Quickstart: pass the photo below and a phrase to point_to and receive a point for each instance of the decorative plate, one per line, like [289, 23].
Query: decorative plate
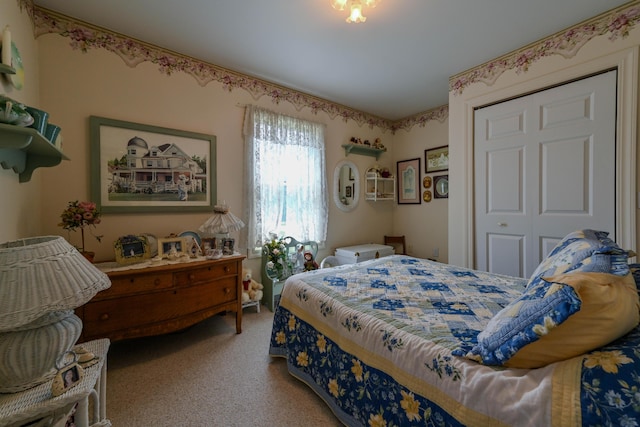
[193, 234]
[17, 79]
[441, 186]
[426, 181]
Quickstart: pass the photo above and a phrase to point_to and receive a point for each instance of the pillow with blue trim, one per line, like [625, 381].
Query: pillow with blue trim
[557, 318]
[583, 250]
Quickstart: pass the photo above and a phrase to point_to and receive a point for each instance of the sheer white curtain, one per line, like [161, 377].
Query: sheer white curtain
[285, 182]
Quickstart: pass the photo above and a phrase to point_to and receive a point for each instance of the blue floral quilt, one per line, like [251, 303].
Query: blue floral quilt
[375, 341]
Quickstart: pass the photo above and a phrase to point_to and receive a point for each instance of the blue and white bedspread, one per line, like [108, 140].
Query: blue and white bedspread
[375, 341]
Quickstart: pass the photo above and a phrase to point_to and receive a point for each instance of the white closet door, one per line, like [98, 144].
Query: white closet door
[544, 166]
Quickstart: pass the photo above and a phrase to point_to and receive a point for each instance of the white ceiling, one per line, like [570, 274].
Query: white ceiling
[395, 65]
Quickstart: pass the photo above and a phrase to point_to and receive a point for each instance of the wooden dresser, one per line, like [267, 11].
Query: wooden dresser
[159, 299]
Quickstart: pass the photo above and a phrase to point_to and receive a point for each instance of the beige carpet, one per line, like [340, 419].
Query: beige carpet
[208, 375]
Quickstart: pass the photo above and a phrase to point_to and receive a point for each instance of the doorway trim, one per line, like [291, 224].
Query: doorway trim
[461, 147]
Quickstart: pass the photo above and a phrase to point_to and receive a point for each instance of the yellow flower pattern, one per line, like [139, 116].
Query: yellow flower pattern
[410, 405]
[333, 387]
[321, 343]
[356, 369]
[609, 361]
[377, 420]
[302, 359]
[292, 323]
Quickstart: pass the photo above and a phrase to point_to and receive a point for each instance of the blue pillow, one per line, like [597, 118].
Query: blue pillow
[587, 251]
[543, 306]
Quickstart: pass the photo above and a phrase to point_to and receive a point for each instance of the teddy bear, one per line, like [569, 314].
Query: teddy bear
[251, 290]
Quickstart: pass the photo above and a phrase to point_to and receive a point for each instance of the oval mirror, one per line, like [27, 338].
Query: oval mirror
[346, 185]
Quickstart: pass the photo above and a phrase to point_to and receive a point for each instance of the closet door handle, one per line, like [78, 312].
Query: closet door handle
[502, 224]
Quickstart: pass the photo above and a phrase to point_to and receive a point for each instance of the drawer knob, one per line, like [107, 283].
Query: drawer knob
[192, 276]
[226, 269]
[157, 281]
[104, 316]
[227, 290]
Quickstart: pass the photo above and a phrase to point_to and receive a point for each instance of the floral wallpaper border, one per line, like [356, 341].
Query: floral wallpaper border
[617, 23]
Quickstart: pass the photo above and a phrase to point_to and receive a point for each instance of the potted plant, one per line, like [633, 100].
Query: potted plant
[81, 215]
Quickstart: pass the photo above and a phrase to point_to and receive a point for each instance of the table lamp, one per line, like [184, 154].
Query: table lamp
[221, 223]
[42, 279]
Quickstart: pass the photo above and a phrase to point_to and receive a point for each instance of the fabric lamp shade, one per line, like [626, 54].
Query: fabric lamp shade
[221, 222]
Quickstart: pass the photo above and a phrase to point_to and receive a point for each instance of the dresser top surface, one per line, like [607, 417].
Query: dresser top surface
[146, 266]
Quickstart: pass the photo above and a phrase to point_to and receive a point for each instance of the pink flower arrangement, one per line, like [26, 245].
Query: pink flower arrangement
[80, 215]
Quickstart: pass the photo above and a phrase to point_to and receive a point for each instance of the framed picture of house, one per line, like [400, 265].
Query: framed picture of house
[436, 159]
[143, 168]
[409, 181]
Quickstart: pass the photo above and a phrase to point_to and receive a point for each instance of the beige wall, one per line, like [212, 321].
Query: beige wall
[424, 225]
[599, 54]
[72, 85]
[99, 83]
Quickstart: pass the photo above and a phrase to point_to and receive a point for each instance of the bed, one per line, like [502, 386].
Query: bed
[401, 341]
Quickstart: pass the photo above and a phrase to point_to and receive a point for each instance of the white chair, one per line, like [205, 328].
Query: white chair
[330, 261]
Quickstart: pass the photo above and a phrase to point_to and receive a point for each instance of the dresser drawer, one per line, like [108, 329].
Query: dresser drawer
[102, 317]
[135, 283]
[204, 274]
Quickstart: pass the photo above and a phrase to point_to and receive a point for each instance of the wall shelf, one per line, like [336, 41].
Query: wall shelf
[362, 149]
[25, 149]
[378, 188]
[6, 69]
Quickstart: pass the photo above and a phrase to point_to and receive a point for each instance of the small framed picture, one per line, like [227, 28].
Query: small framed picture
[66, 378]
[227, 246]
[208, 243]
[172, 246]
[131, 249]
[409, 181]
[436, 159]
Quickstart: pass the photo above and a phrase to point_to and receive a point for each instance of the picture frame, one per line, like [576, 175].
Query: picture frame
[66, 378]
[131, 249]
[408, 175]
[167, 245]
[208, 243]
[228, 246]
[436, 159]
[138, 168]
[441, 187]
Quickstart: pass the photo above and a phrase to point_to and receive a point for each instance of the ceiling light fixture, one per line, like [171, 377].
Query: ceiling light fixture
[356, 8]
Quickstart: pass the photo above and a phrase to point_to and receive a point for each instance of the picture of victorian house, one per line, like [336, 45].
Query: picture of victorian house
[160, 169]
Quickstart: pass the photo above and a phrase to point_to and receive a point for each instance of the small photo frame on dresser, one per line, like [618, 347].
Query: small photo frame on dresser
[208, 244]
[131, 249]
[172, 246]
[227, 246]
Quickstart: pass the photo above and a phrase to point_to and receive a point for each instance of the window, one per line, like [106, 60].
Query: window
[286, 184]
